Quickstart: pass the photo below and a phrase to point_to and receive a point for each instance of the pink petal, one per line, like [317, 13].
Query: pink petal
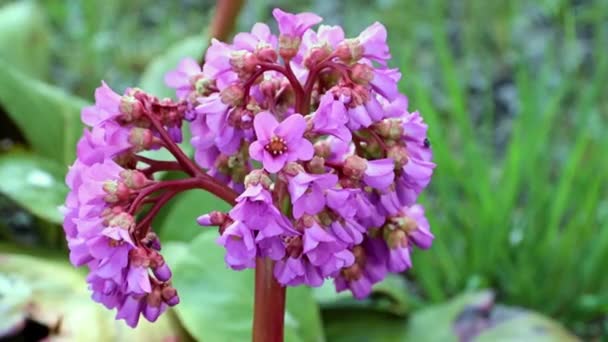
[264, 124]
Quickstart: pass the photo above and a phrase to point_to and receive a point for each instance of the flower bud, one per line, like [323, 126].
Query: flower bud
[204, 86]
[317, 165]
[116, 191]
[169, 295]
[389, 129]
[130, 108]
[316, 55]
[141, 138]
[134, 179]
[395, 238]
[349, 51]
[256, 177]
[233, 95]
[123, 220]
[266, 53]
[352, 272]
[162, 272]
[323, 149]
[362, 74]
[354, 167]
[214, 218]
[399, 154]
[288, 46]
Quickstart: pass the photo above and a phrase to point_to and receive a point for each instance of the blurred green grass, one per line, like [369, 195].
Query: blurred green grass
[515, 96]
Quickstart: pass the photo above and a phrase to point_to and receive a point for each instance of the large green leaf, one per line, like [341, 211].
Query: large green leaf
[475, 315]
[54, 294]
[217, 303]
[390, 295]
[48, 117]
[153, 78]
[24, 38]
[34, 183]
[364, 326]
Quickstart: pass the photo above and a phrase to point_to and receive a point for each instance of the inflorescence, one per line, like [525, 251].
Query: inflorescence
[306, 134]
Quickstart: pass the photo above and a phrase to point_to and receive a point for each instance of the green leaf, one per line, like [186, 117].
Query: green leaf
[364, 326]
[391, 295]
[178, 220]
[476, 315]
[24, 38]
[54, 294]
[34, 183]
[48, 117]
[216, 303]
[153, 78]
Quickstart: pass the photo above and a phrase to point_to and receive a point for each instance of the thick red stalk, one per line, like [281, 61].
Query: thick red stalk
[269, 304]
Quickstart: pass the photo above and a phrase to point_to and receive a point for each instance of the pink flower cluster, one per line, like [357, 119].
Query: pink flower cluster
[310, 128]
[127, 271]
[305, 134]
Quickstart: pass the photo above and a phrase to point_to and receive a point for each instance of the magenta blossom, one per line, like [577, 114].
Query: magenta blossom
[278, 144]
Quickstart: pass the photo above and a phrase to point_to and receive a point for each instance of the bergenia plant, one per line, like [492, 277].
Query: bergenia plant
[305, 134]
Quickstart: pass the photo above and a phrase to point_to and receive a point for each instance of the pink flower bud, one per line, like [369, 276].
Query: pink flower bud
[349, 51]
[288, 46]
[130, 108]
[260, 177]
[266, 53]
[134, 179]
[116, 191]
[162, 272]
[362, 74]
[214, 218]
[141, 138]
[169, 295]
[354, 167]
[316, 55]
[233, 95]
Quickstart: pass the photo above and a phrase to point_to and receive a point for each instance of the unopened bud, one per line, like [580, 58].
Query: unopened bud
[214, 218]
[317, 165]
[292, 169]
[141, 138]
[395, 238]
[362, 74]
[233, 95]
[169, 295]
[134, 179]
[288, 46]
[349, 51]
[116, 191]
[316, 55]
[130, 108]
[266, 53]
[123, 220]
[352, 272]
[162, 271]
[256, 177]
[323, 149]
[399, 154]
[354, 167]
[389, 129]
[204, 86]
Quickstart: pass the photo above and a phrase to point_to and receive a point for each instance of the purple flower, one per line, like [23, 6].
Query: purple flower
[294, 25]
[330, 118]
[184, 78]
[240, 246]
[379, 173]
[373, 41]
[107, 106]
[418, 230]
[260, 37]
[308, 192]
[278, 144]
[323, 250]
[254, 207]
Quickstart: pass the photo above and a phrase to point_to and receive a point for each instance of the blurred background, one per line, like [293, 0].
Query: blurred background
[515, 94]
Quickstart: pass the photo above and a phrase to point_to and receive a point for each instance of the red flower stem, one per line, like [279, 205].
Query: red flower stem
[293, 80]
[143, 225]
[269, 304]
[177, 152]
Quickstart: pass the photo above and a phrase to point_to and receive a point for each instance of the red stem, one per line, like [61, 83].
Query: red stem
[269, 305]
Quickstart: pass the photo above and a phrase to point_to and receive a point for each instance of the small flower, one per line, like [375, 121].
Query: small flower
[308, 192]
[240, 246]
[294, 25]
[186, 78]
[278, 144]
